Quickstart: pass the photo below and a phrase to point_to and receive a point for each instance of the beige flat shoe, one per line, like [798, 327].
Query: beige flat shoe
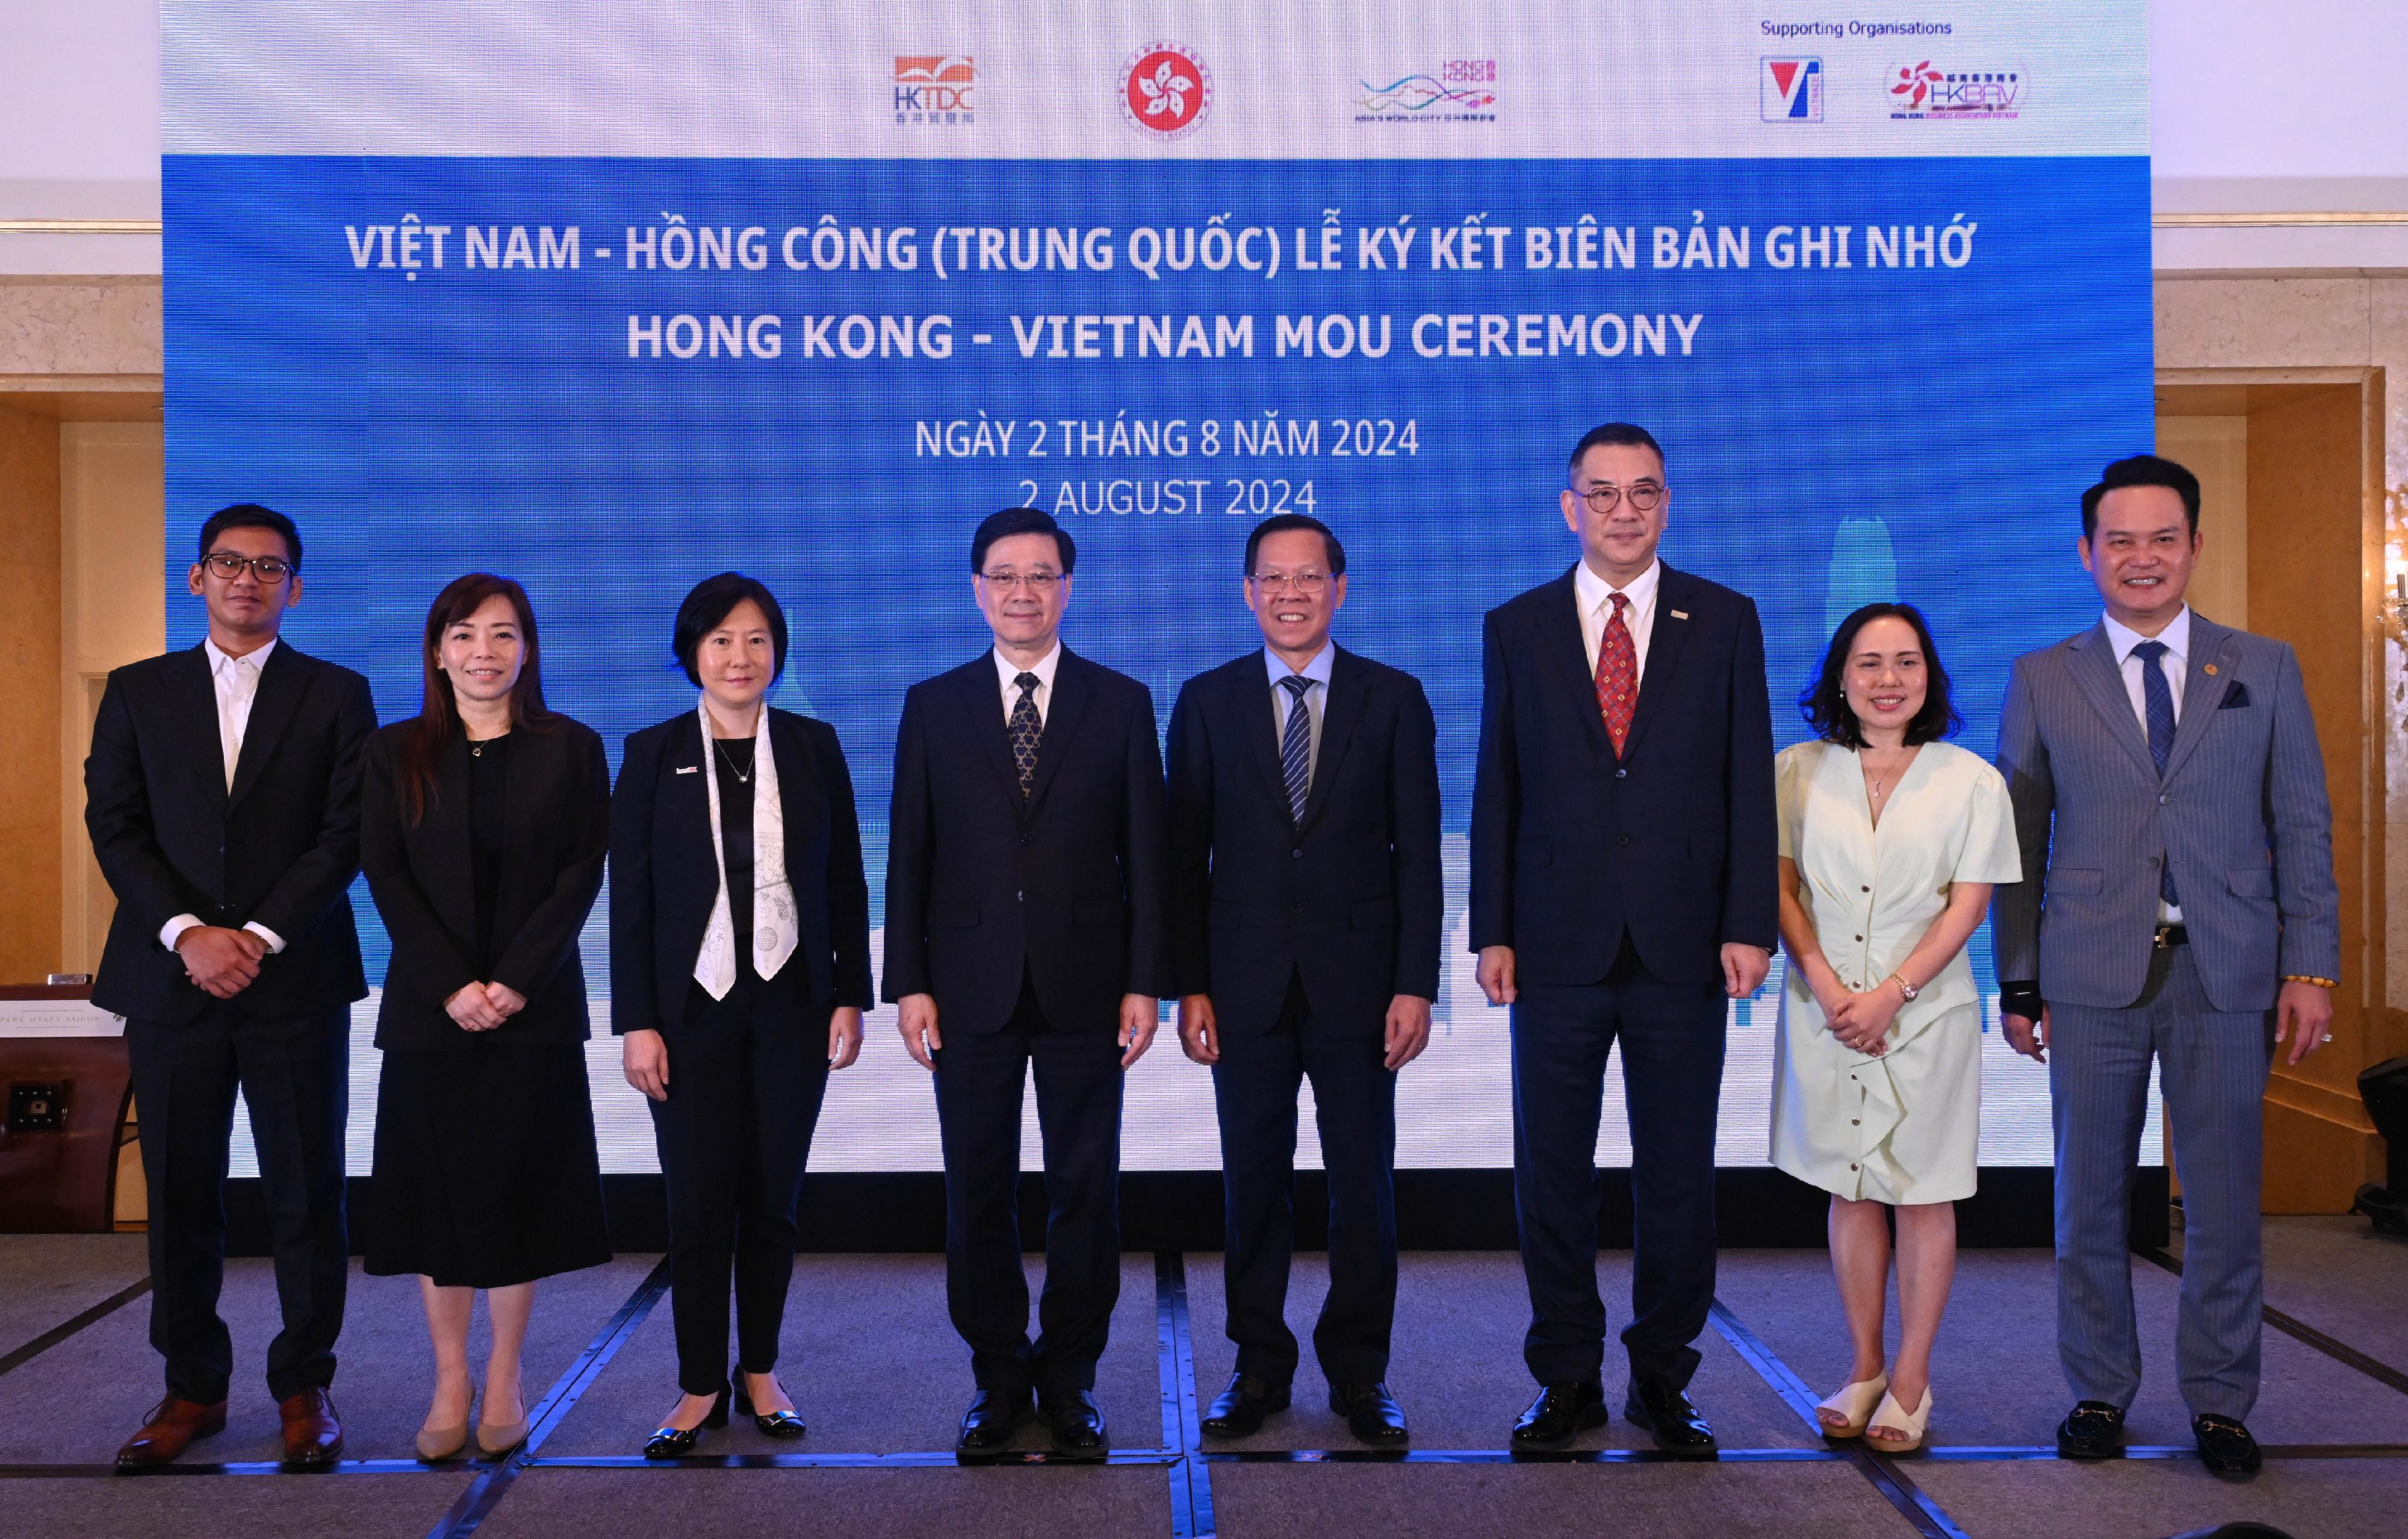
[1892, 1418]
[1844, 1415]
[495, 1439]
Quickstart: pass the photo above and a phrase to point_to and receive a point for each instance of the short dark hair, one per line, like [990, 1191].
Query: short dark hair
[1279, 524]
[1630, 435]
[1824, 702]
[1022, 521]
[711, 601]
[2141, 470]
[249, 515]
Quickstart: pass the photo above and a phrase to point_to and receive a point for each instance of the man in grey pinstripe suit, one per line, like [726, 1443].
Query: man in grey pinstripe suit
[2183, 910]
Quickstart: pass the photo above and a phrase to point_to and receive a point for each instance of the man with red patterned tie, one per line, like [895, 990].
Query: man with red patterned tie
[1623, 890]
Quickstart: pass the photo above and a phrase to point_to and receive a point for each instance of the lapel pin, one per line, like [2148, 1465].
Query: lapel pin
[689, 769]
[1680, 615]
[2211, 670]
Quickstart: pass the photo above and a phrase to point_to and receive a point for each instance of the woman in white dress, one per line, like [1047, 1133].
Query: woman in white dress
[1890, 842]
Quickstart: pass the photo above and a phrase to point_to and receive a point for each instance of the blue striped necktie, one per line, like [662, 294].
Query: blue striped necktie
[1296, 747]
[2158, 705]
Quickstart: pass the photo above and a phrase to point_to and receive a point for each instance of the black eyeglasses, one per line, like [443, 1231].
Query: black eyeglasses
[269, 569]
[1605, 497]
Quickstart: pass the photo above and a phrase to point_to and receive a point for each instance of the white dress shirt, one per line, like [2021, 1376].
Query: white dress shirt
[1596, 597]
[1316, 700]
[235, 680]
[2176, 663]
[1043, 694]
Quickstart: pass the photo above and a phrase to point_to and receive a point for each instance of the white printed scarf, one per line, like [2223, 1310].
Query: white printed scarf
[775, 932]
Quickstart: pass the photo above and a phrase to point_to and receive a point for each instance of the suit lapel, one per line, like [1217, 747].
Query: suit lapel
[801, 794]
[981, 706]
[1071, 696]
[1249, 692]
[2094, 669]
[1559, 638]
[193, 703]
[1667, 638]
[281, 684]
[2211, 646]
[1349, 682]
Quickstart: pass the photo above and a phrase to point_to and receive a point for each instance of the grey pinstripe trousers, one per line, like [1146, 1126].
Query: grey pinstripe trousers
[2211, 1067]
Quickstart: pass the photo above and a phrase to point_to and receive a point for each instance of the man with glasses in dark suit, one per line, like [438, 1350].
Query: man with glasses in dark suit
[222, 799]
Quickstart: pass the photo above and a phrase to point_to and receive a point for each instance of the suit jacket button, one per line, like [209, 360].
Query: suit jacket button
[1296, 855]
[2165, 801]
[1016, 898]
[1622, 774]
[1622, 839]
[1295, 908]
[1028, 838]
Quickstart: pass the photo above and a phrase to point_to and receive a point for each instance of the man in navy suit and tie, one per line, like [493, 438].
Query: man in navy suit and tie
[1304, 833]
[1027, 925]
[1623, 890]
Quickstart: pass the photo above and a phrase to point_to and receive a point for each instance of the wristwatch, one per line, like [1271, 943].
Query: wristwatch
[1906, 990]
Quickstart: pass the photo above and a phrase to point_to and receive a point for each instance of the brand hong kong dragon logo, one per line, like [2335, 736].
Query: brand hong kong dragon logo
[1166, 90]
[1914, 84]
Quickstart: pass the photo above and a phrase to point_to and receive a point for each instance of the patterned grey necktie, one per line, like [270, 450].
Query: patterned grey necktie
[1024, 729]
[1296, 747]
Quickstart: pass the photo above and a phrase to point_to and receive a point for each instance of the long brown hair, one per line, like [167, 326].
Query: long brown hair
[438, 716]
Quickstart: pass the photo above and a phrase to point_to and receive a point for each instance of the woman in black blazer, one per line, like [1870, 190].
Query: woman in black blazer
[485, 822]
[740, 968]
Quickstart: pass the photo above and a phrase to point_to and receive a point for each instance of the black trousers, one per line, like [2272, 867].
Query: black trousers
[293, 1073]
[1673, 1038]
[1355, 1103]
[747, 1075]
[979, 1086]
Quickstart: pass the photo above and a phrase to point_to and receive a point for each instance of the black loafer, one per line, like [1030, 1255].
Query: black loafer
[2226, 1447]
[678, 1441]
[1077, 1426]
[1560, 1414]
[2092, 1430]
[993, 1417]
[1663, 1408]
[1372, 1414]
[777, 1424]
[1239, 1410]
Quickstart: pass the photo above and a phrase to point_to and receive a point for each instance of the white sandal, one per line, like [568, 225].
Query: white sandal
[1893, 1417]
[1853, 1404]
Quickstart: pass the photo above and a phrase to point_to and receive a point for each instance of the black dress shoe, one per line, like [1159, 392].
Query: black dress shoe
[2226, 1447]
[1239, 1410]
[678, 1441]
[2092, 1430]
[993, 1417]
[778, 1424]
[1559, 1414]
[1372, 1414]
[1077, 1426]
[1663, 1408]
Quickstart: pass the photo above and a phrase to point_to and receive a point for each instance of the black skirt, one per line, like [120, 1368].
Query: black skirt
[485, 1169]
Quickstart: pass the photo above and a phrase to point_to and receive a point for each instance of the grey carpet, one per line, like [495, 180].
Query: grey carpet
[48, 1278]
[1456, 1358]
[872, 1364]
[265, 1506]
[1022, 1502]
[2342, 1278]
[74, 1403]
[2147, 1498]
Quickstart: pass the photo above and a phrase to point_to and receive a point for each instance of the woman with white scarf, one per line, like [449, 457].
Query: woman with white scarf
[739, 953]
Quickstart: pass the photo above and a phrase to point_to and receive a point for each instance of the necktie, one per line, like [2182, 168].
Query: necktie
[1617, 675]
[234, 710]
[1024, 728]
[1296, 747]
[2158, 705]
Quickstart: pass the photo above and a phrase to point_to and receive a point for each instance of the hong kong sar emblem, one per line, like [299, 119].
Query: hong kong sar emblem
[1166, 91]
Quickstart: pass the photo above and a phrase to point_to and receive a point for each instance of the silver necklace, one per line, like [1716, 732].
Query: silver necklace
[743, 777]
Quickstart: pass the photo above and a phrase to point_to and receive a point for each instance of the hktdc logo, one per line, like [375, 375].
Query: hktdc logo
[1791, 90]
[934, 88]
[1166, 90]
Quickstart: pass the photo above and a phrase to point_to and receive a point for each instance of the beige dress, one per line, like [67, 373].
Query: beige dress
[1905, 1126]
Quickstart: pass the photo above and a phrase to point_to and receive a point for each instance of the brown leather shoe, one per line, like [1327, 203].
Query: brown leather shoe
[311, 1434]
[170, 1428]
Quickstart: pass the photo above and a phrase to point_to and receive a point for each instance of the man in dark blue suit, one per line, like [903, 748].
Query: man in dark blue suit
[1026, 924]
[1304, 837]
[1623, 889]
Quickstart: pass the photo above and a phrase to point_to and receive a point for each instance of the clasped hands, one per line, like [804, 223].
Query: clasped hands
[483, 1007]
[222, 962]
[1862, 1021]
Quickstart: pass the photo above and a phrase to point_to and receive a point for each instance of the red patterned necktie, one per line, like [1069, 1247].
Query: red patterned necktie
[1617, 675]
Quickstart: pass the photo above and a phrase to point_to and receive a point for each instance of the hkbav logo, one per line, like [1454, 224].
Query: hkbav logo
[1791, 90]
[1166, 91]
[1929, 93]
[934, 88]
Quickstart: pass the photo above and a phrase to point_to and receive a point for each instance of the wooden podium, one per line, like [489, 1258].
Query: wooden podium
[64, 1088]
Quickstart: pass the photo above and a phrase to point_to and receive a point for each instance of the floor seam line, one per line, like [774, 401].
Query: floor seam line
[60, 1331]
[1191, 1479]
[2300, 1330]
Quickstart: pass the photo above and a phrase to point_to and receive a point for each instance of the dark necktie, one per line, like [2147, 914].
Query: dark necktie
[1024, 729]
[1296, 747]
[1617, 675]
[2158, 705]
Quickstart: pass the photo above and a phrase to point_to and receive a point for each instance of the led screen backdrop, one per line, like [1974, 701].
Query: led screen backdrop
[612, 305]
